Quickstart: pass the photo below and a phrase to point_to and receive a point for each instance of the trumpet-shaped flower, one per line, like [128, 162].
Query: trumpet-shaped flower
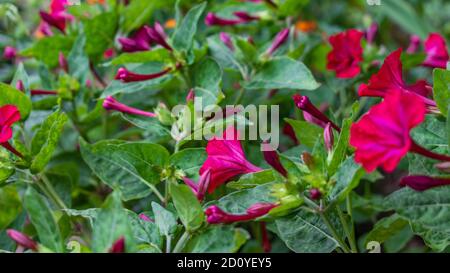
[347, 53]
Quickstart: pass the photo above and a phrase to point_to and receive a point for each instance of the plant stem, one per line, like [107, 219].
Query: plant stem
[352, 225]
[239, 97]
[334, 233]
[182, 242]
[52, 193]
[168, 243]
[346, 229]
[156, 192]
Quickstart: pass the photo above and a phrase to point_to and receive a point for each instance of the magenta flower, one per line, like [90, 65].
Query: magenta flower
[57, 17]
[436, 49]
[414, 43]
[9, 114]
[9, 53]
[212, 19]
[127, 76]
[245, 17]
[280, 39]
[389, 78]
[226, 159]
[216, 215]
[200, 188]
[226, 39]
[111, 104]
[139, 41]
[315, 194]
[273, 159]
[22, 239]
[422, 183]
[157, 35]
[304, 104]
[328, 137]
[118, 246]
[382, 136]
[145, 218]
[190, 96]
[371, 32]
[347, 54]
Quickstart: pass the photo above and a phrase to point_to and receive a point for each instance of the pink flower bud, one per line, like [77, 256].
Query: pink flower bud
[158, 35]
[112, 104]
[315, 194]
[304, 104]
[328, 137]
[212, 19]
[190, 96]
[226, 39]
[126, 76]
[9, 53]
[22, 239]
[371, 32]
[118, 246]
[145, 218]
[260, 209]
[280, 39]
[422, 183]
[273, 159]
[413, 44]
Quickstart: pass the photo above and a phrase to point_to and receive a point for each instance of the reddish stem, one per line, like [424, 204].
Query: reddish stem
[10, 148]
[416, 148]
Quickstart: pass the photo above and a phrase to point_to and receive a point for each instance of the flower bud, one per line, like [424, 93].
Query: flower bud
[22, 239]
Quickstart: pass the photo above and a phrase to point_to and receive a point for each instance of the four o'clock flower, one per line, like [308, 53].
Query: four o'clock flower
[273, 159]
[328, 137]
[422, 183]
[371, 32]
[304, 104]
[35, 92]
[382, 136]
[127, 76]
[158, 35]
[9, 114]
[226, 39]
[436, 50]
[139, 41]
[414, 43]
[112, 104]
[281, 37]
[9, 53]
[226, 159]
[245, 17]
[216, 215]
[118, 246]
[390, 78]
[347, 53]
[212, 19]
[56, 17]
[22, 239]
[199, 188]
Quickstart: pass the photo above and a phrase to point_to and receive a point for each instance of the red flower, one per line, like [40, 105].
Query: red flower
[436, 49]
[390, 78]
[9, 114]
[215, 215]
[57, 17]
[347, 53]
[422, 183]
[381, 137]
[226, 159]
[139, 41]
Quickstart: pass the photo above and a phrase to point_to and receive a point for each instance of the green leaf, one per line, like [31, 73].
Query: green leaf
[46, 139]
[435, 239]
[291, 7]
[144, 231]
[307, 133]
[189, 160]
[139, 12]
[164, 219]
[305, 232]
[218, 239]
[78, 61]
[223, 54]
[43, 221]
[252, 180]
[207, 76]
[22, 75]
[7, 168]
[13, 96]
[283, 73]
[130, 168]
[10, 205]
[110, 225]
[188, 207]
[341, 147]
[183, 36]
[100, 32]
[386, 228]
[155, 55]
[441, 89]
[347, 178]
[47, 49]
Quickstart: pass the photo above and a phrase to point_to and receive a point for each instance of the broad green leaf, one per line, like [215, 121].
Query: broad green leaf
[154, 131]
[155, 55]
[6, 166]
[183, 36]
[252, 180]
[13, 96]
[77, 59]
[144, 231]
[207, 76]
[10, 205]
[291, 7]
[46, 139]
[441, 89]
[164, 219]
[223, 54]
[100, 32]
[283, 73]
[347, 178]
[43, 220]
[305, 232]
[139, 12]
[218, 239]
[189, 160]
[386, 228]
[110, 225]
[436, 239]
[130, 168]
[307, 133]
[341, 147]
[22, 75]
[188, 207]
[47, 49]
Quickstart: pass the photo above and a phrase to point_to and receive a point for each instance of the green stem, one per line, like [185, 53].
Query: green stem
[182, 242]
[352, 224]
[348, 232]
[168, 243]
[334, 233]
[52, 193]
[156, 192]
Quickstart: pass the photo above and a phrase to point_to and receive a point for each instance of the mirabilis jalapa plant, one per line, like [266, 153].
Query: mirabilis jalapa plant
[89, 140]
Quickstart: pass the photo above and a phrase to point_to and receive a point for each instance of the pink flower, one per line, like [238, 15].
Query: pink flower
[371, 32]
[9, 114]
[226, 39]
[422, 183]
[273, 159]
[382, 136]
[199, 189]
[118, 246]
[347, 53]
[390, 78]
[226, 159]
[216, 215]
[145, 218]
[127, 76]
[311, 113]
[190, 96]
[328, 137]
[22, 239]
[315, 194]
[157, 35]
[212, 19]
[57, 17]
[280, 39]
[414, 43]
[245, 17]
[9, 53]
[139, 41]
[109, 53]
[436, 49]
[111, 103]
